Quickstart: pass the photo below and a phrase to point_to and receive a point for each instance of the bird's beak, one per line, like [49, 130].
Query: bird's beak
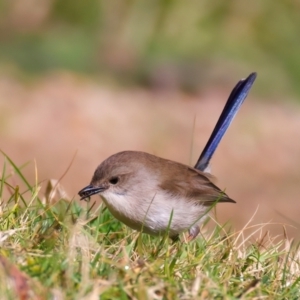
[90, 190]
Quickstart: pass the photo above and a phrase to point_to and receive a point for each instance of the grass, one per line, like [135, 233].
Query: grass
[51, 247]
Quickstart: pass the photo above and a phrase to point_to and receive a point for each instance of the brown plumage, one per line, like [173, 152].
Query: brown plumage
[144, 191]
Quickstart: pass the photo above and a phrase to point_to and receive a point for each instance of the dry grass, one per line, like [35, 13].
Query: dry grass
[53, 248]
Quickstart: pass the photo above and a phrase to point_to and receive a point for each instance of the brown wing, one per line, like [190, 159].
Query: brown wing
[181, 180]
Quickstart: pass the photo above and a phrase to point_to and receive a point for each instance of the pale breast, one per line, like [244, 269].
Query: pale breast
[177, 214]
[155, 215]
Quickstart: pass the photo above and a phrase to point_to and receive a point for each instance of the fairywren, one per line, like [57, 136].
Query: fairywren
[159, 196]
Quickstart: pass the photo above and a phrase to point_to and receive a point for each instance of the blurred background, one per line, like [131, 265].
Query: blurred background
[85, 79]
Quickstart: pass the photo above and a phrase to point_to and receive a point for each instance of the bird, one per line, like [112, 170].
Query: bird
[162, 197]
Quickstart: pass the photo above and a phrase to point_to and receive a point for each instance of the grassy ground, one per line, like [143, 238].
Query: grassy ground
[52, 248]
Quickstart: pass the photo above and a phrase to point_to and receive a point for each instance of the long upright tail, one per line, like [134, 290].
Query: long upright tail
[235, 100]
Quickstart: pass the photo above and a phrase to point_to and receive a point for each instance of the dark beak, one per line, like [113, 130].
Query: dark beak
[90, 190]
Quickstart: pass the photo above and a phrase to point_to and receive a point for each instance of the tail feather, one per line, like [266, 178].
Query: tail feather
[234, 102]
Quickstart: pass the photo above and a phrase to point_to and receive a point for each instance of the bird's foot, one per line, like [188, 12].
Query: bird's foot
[193, 232]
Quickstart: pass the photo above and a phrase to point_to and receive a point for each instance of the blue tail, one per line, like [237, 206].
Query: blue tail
[235, 100]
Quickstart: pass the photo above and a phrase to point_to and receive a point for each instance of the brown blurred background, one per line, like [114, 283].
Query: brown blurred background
[94, 77]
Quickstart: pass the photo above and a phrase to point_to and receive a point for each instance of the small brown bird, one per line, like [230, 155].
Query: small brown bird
[160, 196]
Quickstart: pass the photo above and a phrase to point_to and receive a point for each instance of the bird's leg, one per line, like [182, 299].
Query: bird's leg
[193, 232]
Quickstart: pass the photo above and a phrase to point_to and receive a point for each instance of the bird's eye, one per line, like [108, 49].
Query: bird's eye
[114, 180]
